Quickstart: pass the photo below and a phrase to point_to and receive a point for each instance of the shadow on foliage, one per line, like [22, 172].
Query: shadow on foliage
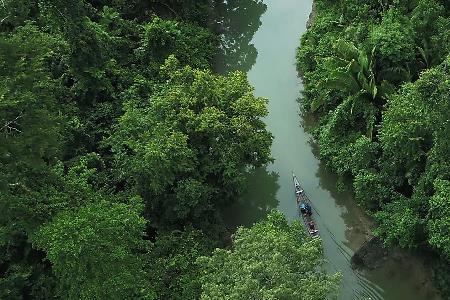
[236, 21]
[256, 202]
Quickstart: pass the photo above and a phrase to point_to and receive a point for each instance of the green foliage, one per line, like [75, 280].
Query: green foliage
[15, 282]
[426, 20]
[31, 128]
[15, 13]
[415, 123]
[29, 204]
[85, 38]
[441, 268]
[74, 73]
[399, 224]
[376, 77]
[94, 251]
[393, 39]
[372, 189]
[439, 221]
[172, 266]
[341, 139]
[271, 260]
[30, 143]
[187, 146]
[351, 71]
[190, 44]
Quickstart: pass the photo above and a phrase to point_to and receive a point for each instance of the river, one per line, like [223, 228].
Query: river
[342, 224]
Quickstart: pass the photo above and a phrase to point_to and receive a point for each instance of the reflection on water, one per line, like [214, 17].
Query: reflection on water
[403, 276]
[237, 21]
[258, 200]
[358, 226]
[342, 224]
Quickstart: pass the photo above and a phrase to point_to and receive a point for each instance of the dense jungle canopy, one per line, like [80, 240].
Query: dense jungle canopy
[119, 145]
[377, 80]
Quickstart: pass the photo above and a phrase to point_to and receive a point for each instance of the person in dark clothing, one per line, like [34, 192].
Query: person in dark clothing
[303, 208]
[312, 227]
[308, 209]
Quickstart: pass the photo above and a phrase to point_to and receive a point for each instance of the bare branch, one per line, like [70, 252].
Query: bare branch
[19, 184]
[9, 125]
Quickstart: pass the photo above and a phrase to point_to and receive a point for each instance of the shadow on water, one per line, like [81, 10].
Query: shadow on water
[401, 276]
[339, 219]
[358, 224]
[257, 201]
[237, 21]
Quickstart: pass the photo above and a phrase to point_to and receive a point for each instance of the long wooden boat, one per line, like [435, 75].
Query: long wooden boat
[304, 208]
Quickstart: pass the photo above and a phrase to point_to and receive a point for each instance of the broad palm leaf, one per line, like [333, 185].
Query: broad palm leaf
[351, 71]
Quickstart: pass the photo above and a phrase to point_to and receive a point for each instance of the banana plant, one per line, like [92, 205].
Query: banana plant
[426, 54]
[350, 70]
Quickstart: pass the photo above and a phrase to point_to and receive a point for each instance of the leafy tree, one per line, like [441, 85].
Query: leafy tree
[439, 221]
[188, 145]
[27, 206]
[393, 40]
[85, 37]
[95, 251]
[190, 44]
[442, 38]
[271, 260]
[414, 124]
[172, 267]
[383, 118]
[350, 70]
[346, 138]
[31, 131]
[425, 19]
[15, 13]
[31, 127]
[399, 223]
[28, 279]
[67, 67]
[372, 189]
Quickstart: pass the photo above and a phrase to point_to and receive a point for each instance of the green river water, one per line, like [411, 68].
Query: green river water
[342, 224]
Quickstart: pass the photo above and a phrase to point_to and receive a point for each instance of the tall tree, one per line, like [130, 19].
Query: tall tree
[188, 144]
[400, 171]
[95, 251]
[172, 268]
[271, 260]
[31, 139]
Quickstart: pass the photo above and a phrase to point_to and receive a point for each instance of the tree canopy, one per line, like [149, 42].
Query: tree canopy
[376, 76]
[96, 251]
[120, 144]
[187, 146]
[271, 260]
